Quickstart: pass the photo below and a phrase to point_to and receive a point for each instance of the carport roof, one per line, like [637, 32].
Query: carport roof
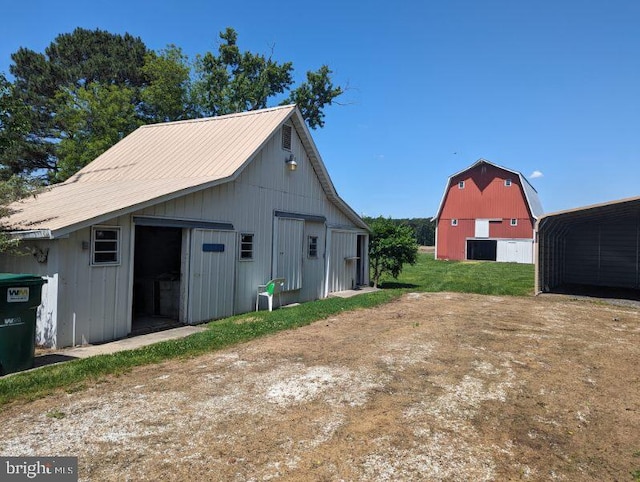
[159, 162]
[610, 209]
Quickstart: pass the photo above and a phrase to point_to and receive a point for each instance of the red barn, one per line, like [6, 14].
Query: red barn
[487, 212]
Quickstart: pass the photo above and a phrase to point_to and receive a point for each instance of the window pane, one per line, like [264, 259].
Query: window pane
[246, 246]
[105, 258]
[106, 246]
[106, 234]
[313, 247]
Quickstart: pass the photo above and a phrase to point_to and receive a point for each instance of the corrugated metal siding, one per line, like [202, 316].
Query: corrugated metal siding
[211, 276]
[249, 203]
[97, 297]
[342, 265]
[288, 252]
[594, 246]
[603, 255]
[313, 268]
[46, 322]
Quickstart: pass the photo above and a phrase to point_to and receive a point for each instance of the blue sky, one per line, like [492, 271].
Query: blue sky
[544, 87]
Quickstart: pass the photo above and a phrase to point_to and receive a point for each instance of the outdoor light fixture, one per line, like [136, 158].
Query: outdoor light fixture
[291, 163]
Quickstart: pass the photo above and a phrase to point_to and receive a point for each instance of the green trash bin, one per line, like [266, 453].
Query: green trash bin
[20, 296]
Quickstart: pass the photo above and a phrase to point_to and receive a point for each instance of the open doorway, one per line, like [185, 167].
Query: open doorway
[360, 263]
[482, 249]
[156, 275]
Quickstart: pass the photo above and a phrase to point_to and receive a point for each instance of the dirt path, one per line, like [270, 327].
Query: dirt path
[432, 387]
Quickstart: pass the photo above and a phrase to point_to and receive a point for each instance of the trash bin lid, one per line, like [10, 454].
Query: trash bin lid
[12, 278]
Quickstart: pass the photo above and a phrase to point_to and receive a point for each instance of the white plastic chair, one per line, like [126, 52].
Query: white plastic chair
[269, 290]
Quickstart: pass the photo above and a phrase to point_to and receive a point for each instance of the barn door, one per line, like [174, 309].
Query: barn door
[211, 275]
[289, 245]
[482, 228]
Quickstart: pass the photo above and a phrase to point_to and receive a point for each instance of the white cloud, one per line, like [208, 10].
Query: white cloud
[536, 174]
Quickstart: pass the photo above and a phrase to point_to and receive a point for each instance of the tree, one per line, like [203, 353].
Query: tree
[313, 95]
[20, 151]
[425, 229]
[92, 118]
[235, 81]
[167, 97]
[71, 62]
[390, 247]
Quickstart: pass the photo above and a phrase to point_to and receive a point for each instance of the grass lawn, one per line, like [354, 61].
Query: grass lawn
[426, 275]
[480, 277]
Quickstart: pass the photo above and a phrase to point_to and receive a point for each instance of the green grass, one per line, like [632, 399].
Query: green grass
[466, 277]
[426, 275]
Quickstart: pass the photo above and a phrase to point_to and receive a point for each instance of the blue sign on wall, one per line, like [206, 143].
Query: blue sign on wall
[213, 248]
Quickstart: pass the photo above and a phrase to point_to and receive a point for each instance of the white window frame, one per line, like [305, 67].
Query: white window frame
[454, 222]
[460, 184]
[242, 249]
[513, 222]
[96, 242]
[507, 182]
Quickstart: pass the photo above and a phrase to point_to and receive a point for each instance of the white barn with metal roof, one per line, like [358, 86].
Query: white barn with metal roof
[182, 221]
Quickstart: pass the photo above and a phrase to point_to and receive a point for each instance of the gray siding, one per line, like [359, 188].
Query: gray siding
[603, 254]
[94, 303]
[596, 246]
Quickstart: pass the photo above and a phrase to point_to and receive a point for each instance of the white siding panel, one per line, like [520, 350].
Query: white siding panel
[342, 263]
[211, 276]
[289, 252]
[46, 318]
[313, 268]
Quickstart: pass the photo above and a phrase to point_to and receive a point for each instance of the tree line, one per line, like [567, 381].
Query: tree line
[423, 230]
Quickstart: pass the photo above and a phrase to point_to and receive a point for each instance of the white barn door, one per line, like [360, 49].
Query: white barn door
[289, 245]
[515, 251]
[211, 275]
[482, 228]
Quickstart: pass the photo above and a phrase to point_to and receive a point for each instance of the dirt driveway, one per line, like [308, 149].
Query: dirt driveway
[431, 387]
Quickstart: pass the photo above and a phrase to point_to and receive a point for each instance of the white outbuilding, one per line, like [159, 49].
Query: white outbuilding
[183, 221]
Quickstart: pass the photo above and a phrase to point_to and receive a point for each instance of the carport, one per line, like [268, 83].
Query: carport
[593, 250]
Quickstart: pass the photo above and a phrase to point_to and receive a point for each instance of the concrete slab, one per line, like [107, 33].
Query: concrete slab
[130, 343]
[356, 292]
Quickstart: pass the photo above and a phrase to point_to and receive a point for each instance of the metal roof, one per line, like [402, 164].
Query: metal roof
[159, 162]
[530, 193]
[608, 210]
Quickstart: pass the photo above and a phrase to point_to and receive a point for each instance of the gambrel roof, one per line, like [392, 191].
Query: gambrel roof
[160, 162]
[530, 193]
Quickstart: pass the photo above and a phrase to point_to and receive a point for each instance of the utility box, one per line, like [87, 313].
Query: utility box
[20, 296]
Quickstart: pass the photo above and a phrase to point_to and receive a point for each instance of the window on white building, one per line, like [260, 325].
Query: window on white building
[246, 246]
[105, 245]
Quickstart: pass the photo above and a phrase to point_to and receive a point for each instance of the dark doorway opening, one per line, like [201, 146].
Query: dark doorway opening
[482, 249]
[360, 251]
[156, 279]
